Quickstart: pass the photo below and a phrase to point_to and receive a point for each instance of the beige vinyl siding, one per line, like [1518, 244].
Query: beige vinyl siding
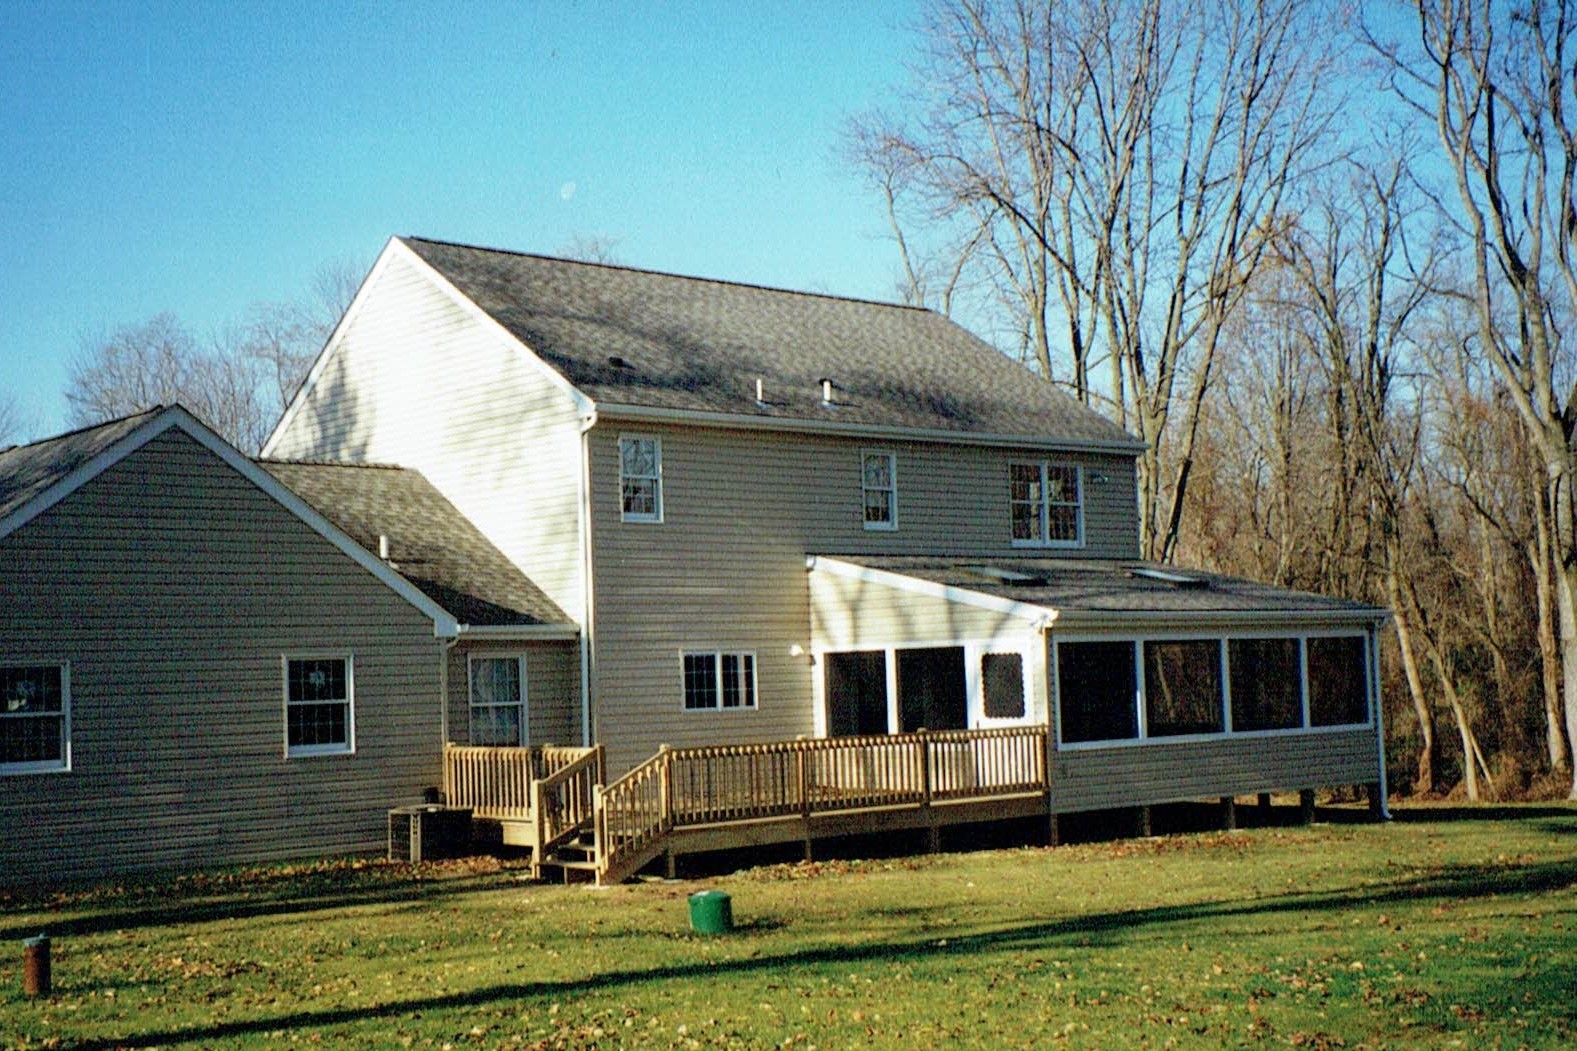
[174, 587]
[725, 569]
[1172, 771]
[552, 689]
[415, 380]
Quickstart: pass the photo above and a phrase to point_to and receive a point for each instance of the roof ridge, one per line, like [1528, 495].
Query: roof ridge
[85, 428]
[753, 285]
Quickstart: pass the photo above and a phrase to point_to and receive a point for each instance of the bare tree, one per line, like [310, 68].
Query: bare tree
[160, 362]
[592, 248]
[288, 334]
[13, 423]
[1127, 163]
[1497, 83]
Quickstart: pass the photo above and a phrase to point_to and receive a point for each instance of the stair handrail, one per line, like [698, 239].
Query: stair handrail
[564, 802]
[633, 813]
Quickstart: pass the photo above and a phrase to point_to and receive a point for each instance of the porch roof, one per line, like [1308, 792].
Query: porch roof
[1072, 593]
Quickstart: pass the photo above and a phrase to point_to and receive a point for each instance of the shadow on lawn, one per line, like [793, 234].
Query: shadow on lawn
[314, 895]
[1453, 883]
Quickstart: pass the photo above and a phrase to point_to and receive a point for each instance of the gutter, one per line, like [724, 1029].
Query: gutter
[518, 632]
[753, 422]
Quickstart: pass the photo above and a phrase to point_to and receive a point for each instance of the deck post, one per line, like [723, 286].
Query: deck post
[1306, 806]
[1264, 808]
[1229, 813]
[1142, 820]
[1376, 801]
[665, 787]
[1054, 831]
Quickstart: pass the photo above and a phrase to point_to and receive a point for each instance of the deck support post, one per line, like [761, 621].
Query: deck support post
[1376, 800]
[1229, 813]
[1306, 806]
[1053, 831]
[670, 865]
[933, 838]
[1142, 822]
[1264, 809]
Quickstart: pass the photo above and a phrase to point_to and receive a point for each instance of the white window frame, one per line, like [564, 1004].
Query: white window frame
[307, 751]
[1222, 637]
[471, 658]
[974, 675]
[52, 766]
[718, 656]
[1046, 504]
[891, 489]
[978, 694]
[656, 478]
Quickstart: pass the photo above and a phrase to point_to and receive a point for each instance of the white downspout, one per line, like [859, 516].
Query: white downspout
[587, 625]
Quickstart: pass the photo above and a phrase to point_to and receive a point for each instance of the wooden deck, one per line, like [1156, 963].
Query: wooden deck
[687, 800]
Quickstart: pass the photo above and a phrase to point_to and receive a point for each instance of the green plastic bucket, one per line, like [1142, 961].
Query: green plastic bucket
[711, 912]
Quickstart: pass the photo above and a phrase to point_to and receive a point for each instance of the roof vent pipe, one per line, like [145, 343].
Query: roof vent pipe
[383, 547]
[761, 392]
[826, 392]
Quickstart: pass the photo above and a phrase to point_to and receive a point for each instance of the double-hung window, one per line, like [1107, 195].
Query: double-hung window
[719, 680]
[35, 718]
[319, 706]
[640, 479]
[1046, 500]
[879, 490]
[498, 701]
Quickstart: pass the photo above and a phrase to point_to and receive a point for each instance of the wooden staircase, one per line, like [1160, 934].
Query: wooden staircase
[688, 800]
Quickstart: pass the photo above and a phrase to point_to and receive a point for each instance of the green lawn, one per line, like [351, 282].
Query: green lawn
[1433, 931]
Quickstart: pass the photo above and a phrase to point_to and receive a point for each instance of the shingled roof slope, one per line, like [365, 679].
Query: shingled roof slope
[431, 543]
[28, 470]
[627, 337]
[1103, 586]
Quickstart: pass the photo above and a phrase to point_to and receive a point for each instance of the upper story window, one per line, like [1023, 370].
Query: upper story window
[640, 479]
[879, 490]
[319, 706]
[1047, 504]
[35, 718]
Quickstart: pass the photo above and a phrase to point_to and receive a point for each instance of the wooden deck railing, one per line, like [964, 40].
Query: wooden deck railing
[711, 785]
[565, 799]
[496, 783]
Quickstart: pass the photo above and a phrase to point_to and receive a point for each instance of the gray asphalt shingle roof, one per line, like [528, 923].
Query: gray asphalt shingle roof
[1099, 586]
[627, 337]
[431, 543]
[28, 470]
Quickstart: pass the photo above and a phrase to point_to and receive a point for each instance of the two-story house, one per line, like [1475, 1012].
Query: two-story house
[522, 501]
[777, 513]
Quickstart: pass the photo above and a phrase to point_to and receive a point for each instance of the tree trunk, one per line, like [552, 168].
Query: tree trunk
[1541, 562]
[1566, 595]
[1425, 781]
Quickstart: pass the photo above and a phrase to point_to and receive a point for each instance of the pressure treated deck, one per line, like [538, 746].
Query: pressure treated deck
[553, 801]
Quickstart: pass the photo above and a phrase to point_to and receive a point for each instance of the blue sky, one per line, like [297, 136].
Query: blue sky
[197, 158]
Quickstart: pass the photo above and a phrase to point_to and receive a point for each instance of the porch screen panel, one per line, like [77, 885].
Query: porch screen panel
[1002, 681]
[1338, 681]
[1182, 687]
[1265, 674]
[1096, 691]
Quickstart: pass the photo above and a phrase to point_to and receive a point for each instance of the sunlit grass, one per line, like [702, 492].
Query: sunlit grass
[1427, 932]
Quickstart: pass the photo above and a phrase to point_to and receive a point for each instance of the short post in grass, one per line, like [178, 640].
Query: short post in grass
[36, 979]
